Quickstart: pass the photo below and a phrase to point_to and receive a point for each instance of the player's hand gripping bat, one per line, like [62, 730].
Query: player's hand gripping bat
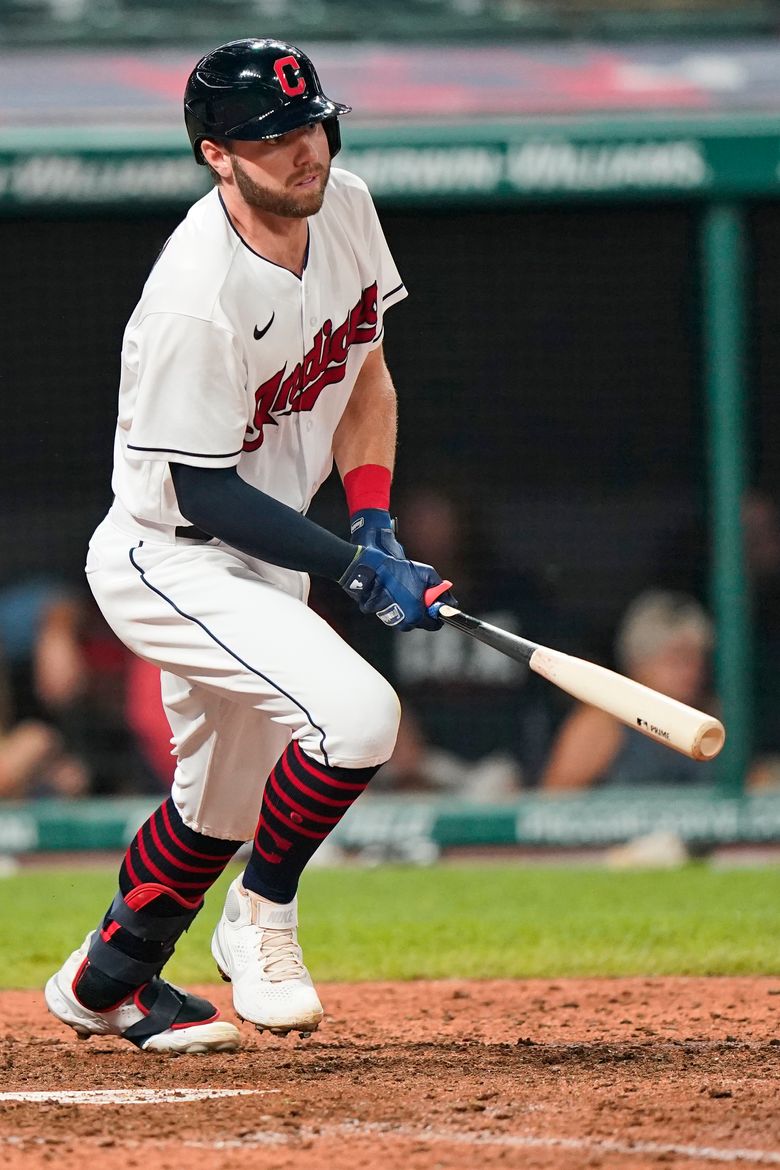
[672, 723]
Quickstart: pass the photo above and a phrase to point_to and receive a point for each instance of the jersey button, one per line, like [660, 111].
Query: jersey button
[312, 320]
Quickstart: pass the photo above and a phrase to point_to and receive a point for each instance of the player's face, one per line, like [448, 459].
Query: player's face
[285, 176]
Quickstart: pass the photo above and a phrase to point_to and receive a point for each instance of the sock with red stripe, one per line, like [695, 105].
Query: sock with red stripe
[302, 803]
[165, 873]
[166, 851]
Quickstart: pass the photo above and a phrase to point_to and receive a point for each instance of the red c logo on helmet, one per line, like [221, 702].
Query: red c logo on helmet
[291, 63]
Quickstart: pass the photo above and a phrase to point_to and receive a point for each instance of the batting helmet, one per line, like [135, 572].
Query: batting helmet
[255, 89]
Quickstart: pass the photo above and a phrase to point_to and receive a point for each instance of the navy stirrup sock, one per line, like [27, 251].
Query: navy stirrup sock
[303, 801]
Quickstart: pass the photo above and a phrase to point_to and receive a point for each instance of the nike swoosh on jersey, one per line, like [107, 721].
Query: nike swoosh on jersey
[262, 332]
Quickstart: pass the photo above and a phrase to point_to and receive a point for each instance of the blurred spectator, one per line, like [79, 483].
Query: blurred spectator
[474, 722]
[65, 694]
[32, 758]
[664, 641]
[39, 621]
[33, 764]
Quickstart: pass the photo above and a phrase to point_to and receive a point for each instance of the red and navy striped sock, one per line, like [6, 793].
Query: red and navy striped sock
[303, 801]
[165, 851]
[182, 865]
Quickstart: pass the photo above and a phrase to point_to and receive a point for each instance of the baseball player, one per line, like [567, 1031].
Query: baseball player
[251, 363]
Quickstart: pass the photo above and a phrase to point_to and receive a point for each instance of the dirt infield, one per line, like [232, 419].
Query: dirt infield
[619, 1073]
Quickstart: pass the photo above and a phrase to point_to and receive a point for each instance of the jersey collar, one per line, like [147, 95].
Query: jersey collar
[259, 254]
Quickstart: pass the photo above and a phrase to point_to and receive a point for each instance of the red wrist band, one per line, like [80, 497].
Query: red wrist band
[368, 487]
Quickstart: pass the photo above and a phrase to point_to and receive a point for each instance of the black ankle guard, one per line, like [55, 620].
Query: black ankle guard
[143, 925]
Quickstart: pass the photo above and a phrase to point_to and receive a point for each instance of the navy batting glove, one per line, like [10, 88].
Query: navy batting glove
[374, 528]
[392, 589]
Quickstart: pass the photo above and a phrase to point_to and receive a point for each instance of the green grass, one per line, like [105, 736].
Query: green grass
[477, 922]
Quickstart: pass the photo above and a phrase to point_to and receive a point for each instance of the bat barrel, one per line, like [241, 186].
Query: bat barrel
[692, 732]
[709, 740]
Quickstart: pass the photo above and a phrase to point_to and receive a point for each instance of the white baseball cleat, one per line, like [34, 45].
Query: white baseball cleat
[255, 946]
[157, 1017]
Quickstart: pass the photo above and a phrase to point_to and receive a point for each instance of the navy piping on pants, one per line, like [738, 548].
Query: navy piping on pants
[142, 574]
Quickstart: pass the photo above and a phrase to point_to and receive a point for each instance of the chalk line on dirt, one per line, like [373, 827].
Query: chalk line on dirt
[127, 1096]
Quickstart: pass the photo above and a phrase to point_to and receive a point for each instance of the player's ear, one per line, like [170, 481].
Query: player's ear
[217, 157]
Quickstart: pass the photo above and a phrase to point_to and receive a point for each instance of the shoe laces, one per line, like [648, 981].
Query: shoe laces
[282, 956]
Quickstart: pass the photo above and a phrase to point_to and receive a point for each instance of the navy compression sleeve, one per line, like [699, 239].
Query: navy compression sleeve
[217, 500]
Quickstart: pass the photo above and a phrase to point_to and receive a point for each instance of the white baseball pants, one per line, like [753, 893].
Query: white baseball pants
[246, 667]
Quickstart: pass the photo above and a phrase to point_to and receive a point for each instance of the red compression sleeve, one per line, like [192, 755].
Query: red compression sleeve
[368, 487]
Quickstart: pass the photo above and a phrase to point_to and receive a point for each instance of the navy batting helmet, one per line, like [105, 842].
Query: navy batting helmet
[254, 89]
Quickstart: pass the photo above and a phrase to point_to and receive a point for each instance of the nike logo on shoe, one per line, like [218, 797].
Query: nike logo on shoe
[262, 332]
[280, 918]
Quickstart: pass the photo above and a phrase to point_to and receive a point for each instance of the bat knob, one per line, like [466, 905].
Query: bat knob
[431, 595]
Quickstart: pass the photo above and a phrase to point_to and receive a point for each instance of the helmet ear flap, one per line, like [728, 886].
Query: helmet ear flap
[333, 135]
[199, 159]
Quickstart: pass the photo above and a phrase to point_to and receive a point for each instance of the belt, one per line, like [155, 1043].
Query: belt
[192, 533]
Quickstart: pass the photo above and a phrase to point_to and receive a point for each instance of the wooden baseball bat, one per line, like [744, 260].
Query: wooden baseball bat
[674, 724]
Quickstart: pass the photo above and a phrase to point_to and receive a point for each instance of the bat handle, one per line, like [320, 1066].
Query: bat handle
[430, 597]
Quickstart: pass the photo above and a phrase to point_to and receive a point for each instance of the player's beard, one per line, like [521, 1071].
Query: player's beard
[291, 204]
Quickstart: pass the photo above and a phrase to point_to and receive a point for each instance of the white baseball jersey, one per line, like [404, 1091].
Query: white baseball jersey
[232, 360]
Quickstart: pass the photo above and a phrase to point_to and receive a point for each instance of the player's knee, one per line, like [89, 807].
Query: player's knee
[384, 720]
[369, 718]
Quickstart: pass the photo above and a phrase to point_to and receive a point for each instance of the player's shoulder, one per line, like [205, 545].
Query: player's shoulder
[194, 263]
[348, 181]
[347, 188]
[348, 204]
[203, 242]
